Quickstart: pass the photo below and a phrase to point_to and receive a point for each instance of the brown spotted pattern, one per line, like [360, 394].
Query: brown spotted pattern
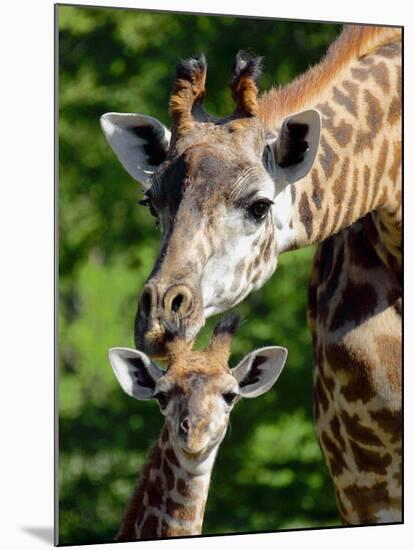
[168, 501]
[356, 329]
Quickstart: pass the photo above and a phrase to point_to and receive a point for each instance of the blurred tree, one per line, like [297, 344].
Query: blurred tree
[269, 474]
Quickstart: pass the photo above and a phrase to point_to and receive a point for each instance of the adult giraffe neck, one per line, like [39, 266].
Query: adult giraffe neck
[357, 169]
[168, 500]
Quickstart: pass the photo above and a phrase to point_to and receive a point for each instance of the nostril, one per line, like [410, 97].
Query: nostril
[146, 301]
[176, 303]
[178, 300]
[185, 426]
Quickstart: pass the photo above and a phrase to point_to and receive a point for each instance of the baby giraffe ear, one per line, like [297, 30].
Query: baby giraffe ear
[140, 142]
[295, 148]
[259, 370]
[135, 371]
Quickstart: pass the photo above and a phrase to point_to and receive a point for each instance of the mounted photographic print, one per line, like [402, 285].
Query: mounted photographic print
[229, 294]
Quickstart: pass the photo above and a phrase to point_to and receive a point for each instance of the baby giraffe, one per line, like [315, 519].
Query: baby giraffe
[195, 394]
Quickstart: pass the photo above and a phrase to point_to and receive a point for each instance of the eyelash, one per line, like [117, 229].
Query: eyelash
[255, 214]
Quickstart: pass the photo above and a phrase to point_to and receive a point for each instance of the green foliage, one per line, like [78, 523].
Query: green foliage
[269, 473]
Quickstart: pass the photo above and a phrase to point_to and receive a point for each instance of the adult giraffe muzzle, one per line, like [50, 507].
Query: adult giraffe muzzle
[212, 184]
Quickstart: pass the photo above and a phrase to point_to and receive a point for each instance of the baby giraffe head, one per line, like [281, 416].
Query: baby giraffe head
[198, 389]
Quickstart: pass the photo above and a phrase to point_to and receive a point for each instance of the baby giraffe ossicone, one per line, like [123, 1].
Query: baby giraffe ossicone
[195, 393]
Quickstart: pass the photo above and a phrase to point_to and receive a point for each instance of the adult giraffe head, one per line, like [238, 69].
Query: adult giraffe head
[216, 189]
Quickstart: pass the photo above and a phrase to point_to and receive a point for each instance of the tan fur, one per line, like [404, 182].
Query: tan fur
[183, 97]
[354, 42]
[245, 95]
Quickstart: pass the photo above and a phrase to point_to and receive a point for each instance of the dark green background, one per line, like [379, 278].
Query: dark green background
[269, 474]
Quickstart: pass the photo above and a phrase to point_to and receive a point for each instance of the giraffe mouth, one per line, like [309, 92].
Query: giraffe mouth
[193, 455]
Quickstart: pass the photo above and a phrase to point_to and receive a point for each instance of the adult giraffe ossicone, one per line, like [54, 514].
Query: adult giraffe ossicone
[230, 193]
[196, 394]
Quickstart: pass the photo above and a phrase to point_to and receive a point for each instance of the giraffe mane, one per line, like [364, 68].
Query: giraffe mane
[354, 42]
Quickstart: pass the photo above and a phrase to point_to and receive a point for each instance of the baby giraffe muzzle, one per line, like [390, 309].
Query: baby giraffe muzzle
[195, 394]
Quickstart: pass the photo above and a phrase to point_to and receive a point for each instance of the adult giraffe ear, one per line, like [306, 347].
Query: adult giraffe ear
[135, 372]
[259, 370]
[140, 142]
[294, 150]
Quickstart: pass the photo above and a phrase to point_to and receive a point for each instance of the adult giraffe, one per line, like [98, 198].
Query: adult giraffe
[229, 193]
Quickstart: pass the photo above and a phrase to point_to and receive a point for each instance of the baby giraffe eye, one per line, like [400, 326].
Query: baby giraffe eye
[229, 397]
[258, 210]
[162, 397]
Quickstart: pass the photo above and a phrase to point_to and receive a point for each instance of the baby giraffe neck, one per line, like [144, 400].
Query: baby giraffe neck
[168, 501]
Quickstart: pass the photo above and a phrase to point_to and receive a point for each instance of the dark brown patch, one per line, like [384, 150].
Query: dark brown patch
[357, 304]
[323, 227]
[169, 475]
[180, 511]
[374, 117]
[398, 478]
[326, 110]
[379, 171]
[149, 528]
[359, 432]
[156, 458]
[293, 193]
[389, 51]
[349, 214]
[342, 133]
[361, 75]
[320, 394]
[336, 458]
[396, 163]
[154, 494]
[361, 251]
[358, 370]
[375, 113]
[317, 191]
[367, 60]
[341, 507]
[336, 432]
[339, 191]
[238, 271]
[164, 435]
[381, 76]
[305, 214]
[370, 461]
[347, 100]
[366, 189]
[328, 158]
[171, 457]
[394, 111]
[182, 487]
[325, 295]
[267, 249]
[367, 500]
[390, 422]
[327, 256]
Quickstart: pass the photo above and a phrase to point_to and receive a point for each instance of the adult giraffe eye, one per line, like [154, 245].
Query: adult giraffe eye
[258, 210]
[229, 397]
[162, 397]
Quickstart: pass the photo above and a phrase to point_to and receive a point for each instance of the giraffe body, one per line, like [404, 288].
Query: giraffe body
[316, 161]
[355, 291]
[357, 379]
[196, 394]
